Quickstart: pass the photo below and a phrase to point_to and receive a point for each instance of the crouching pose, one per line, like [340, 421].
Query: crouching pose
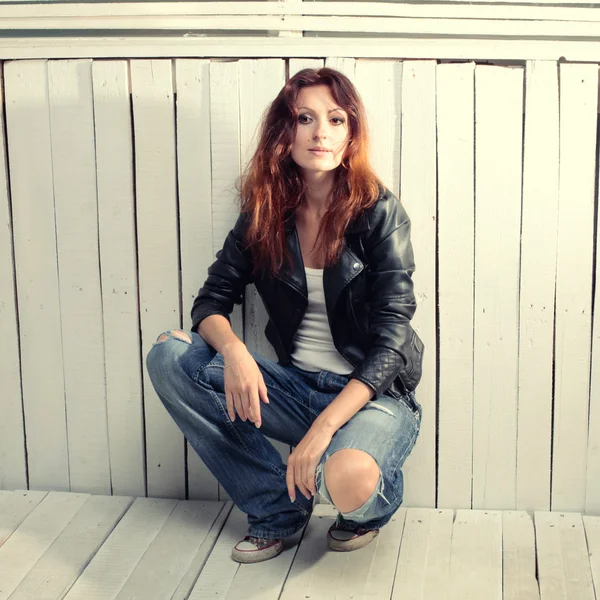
[328, 249]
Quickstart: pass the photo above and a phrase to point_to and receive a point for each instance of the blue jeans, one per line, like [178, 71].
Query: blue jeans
[188, 378]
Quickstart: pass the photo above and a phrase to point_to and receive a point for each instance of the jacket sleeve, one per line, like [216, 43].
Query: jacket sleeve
[227, 277]
[395, 350]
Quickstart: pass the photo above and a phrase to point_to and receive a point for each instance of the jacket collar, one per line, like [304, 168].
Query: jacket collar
[336, 277]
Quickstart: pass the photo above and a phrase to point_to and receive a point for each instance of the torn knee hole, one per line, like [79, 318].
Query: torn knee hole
[181, 335]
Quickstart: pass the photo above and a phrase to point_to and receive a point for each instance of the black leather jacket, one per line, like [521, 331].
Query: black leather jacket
[368, 294]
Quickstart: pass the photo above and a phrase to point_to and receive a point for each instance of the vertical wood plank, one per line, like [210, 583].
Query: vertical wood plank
[379, 84]
[592, 493]
[578, 123]
[424, 562]
[226, 166]
[418, 193]
[29, 147]
[344, 65]
[456, 225]
[13, 468]
[537, 283]
[297, 64]
[563, 562]
[76, 206]
[518, 556]
[157, 230]
[476, 561]
[118, 260]
[260, 81]
[499, 143]
[195, 210]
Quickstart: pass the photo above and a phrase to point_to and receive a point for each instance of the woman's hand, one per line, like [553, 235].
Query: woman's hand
[303, 462]
[244, 384]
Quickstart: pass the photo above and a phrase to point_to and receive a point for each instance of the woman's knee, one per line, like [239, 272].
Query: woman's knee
[162, 361]
[351, 477]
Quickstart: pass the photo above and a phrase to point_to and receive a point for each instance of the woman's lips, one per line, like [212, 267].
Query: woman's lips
[320, 152]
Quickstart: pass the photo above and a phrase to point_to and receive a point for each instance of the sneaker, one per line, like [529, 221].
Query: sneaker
[252, 549]
[344, 538]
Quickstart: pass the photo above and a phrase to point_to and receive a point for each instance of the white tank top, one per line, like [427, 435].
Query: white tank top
[313, 348]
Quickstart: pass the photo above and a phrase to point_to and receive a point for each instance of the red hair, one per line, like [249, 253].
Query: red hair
[272, 187]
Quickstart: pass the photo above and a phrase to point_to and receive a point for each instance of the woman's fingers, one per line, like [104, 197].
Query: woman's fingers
[255, 406]
[230, 405]
[262, 390]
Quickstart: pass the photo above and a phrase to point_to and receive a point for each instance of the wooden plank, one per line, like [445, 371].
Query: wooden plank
[112, 565]
[440, 8]
[437, 9]
[13, 468]
[259, 83]
[476, 561]
[297, 64]
[592, 535]
[15, 507]
[592, 492]
[29, 146]
[518, 556]
[219, 571]
[157, 223]
[195, 240]
[169, 556]
[592, 496]
[379, 84]
[562, 557]
[424, 561]
[441, 27]
[455, 109]
[76, 207]
[578, 120]
[118, 260]
[226, 167]
[63, 562]
[34, 536]
[467, 48]
[197, 565]
[499, 143]
[344, 65]
[537, 285]
[418, 194]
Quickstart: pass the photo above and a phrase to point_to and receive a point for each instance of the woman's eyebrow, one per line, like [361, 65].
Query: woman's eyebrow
[311, 110]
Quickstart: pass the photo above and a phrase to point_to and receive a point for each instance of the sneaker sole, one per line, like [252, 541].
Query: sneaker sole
[353, 543]
[253, 556]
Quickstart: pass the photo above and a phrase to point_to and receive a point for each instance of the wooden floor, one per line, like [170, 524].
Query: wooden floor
[83, 547]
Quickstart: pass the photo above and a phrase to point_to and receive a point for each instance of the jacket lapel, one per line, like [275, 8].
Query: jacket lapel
[335, 277]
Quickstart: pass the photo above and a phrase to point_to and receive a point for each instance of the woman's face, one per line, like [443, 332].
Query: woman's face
[322, 132]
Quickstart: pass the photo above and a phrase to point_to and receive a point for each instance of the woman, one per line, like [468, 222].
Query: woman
[328, 248]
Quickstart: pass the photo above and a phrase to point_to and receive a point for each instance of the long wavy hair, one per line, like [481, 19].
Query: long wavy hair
[272, 187]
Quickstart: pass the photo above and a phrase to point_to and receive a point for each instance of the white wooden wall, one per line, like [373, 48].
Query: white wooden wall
[117, 187]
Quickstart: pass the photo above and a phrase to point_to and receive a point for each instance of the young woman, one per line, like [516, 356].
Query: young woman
[328, 248]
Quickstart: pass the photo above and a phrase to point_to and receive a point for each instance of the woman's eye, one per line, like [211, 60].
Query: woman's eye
[338, 120]
[303, 119]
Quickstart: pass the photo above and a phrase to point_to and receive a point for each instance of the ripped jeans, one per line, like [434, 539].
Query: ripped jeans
[189, 380]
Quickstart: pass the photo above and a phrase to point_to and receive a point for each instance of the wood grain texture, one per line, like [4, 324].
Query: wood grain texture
[192, 79]
[578, 122]
[455, 103]
[498, 135]
[537, 285]
[418, 194]
[158, 266]
[76, 210]
[118, 266]
[35, 247]
[13, 467]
